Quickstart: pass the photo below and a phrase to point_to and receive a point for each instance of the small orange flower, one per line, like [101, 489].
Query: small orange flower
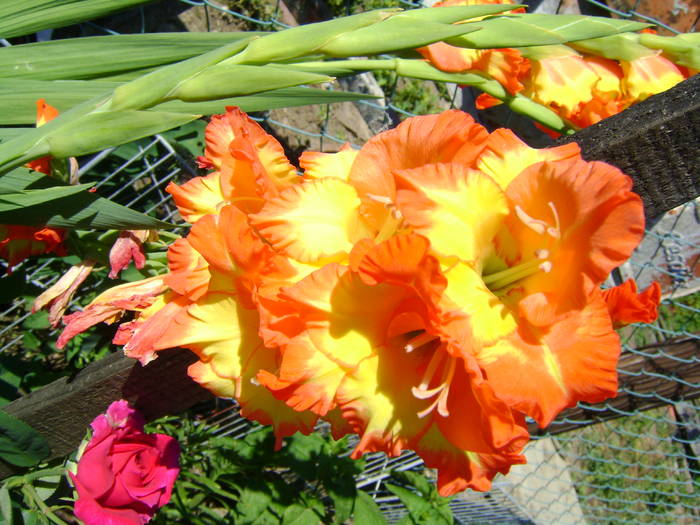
[19, 242]
[250, 163]
[44, 113]
[626, 306]
[506, 65]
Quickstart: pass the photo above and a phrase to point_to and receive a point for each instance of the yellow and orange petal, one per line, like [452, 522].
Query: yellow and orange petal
[315, 222]
[574, 221]
[317, 165]
[608, 87]
[627, 306]
[451, 136]
[561, 82]
[459, 210]
[648, 75]
[506, 65]
[189, 271]
[234, 130]
[505, 156]
[198, 197]
[541, 373]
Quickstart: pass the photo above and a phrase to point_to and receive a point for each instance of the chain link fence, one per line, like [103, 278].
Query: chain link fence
[628, 461]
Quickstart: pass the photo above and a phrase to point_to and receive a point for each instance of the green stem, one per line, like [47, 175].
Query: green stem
[31, 493]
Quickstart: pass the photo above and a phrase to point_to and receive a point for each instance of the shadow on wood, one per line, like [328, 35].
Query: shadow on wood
[63, 410]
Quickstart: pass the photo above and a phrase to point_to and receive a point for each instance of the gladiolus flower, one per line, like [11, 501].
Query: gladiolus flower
[426, 292]
[506, 65]
[128, 247]
[44, 113]
[649, 75]
[19, 242]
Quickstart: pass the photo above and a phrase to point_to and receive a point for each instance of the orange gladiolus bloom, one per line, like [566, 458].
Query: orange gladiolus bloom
[507, 65]
[44, 113]
[19, 242]
[648, 76]
[425, 292]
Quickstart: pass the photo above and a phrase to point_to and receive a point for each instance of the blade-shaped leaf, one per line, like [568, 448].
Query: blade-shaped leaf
[78, 209]
[85, 211]
[18, 96]
[279, 98]
[20, 200]
[367, 511]
[20, 444]
[100, 56]
[29, 16]
[521, 30]
[227, 80]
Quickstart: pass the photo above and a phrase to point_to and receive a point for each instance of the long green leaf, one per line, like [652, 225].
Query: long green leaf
[20, 444]
[98, 131]
[79, 209]
[25, 199]
[70, 136]
[109, 55]
[520, 30]
[279, 98]
[18, 98]
[28, 16]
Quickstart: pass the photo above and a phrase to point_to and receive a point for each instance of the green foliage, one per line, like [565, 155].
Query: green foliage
[421, 499]
[30, 16]
[630, 470]
[20, 444]
[308, 481]
[38, 497]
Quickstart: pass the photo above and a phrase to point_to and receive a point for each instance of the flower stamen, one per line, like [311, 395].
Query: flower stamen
[442, 390]
[420, 340]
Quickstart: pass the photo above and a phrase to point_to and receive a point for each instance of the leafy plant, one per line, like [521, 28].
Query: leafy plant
[310, 480]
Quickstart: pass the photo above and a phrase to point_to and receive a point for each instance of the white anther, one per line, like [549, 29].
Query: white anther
[542, 254]
[535, 225]
[380, 198]
[546, 266]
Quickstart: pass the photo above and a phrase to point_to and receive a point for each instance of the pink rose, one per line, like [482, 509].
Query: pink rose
[124, 475]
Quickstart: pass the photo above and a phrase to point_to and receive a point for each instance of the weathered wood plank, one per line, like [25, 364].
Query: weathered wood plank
[62, 411]
[656, 143]
[647, 377]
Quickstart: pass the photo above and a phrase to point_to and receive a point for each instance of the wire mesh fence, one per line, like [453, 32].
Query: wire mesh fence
[634, 461]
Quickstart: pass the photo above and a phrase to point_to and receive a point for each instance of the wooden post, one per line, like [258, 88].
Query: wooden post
[656, 143]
